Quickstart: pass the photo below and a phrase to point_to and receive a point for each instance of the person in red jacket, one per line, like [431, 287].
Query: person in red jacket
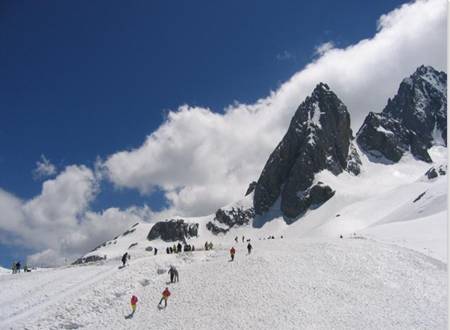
[165, 296]
[134, 301]
[232, 252]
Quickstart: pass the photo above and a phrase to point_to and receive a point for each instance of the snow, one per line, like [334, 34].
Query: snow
[437, 136]
[385, 131]
[388, 272]
[4, 271]
[288, 283]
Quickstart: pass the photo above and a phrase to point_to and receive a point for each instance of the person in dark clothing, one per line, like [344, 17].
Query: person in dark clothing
[167, 250]
[249, 248]
[124, 259]
[18, 267]
[243, 238]
[206, 246]
[232, 252]
[171, 249]
[156, 251]
[173, 272]
[179, 247]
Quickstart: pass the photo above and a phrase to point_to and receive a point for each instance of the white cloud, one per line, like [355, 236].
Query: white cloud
[203, 160]
[324, 48]
[58, 222]
[44, 169]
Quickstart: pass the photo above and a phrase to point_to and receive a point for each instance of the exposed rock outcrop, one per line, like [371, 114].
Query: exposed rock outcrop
[226, 219]
[414, 120]
[319, 137]
[173, 230]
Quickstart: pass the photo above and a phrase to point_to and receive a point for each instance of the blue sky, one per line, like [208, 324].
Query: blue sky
[82, 80]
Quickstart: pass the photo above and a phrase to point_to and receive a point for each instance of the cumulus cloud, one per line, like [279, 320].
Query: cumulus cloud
[323, 48]
[203, 160]
[44, 168]
[58, 223]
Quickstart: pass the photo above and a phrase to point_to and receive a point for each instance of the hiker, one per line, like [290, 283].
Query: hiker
[18, 266]
[156, 251]
[232, 252]
[206, 246]
[124, 259]
[243, 239]
[193, 248]
[167, 250]
[210, 246]
[249, 248]
[179, 248]
[173, 272]
[133, 302]
[174, 248]
[165, 296]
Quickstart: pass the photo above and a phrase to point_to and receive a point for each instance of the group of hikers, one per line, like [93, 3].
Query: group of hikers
[179, 248]
[173, 272]
[16, 268]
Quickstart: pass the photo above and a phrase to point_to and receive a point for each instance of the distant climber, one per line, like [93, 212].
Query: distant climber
[210, 246]
[124, 259]
[173, 272]
[249, 248]
[232, 252]
[156, 251]
[165, 296]
[206, 246]
[243, 238]
[179, 248]
[18, 266]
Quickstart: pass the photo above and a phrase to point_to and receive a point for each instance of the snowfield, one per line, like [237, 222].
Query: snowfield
[389, 271]
[288, 283]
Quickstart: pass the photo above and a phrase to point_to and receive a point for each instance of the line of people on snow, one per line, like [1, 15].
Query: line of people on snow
[173, 272]
[179, 248]
[15, 268]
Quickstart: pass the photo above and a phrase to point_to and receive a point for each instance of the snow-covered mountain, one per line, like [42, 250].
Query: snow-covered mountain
[346, 233]
[321, 183]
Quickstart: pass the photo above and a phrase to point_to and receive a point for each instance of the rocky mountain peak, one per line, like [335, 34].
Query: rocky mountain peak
[414, 119]
[319, 137]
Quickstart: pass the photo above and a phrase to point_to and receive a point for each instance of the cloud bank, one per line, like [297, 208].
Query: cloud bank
[203, 160]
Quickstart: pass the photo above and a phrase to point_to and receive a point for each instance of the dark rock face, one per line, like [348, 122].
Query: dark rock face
[173, 230]
[414, 119]
[251, 188]
[319, 137]
[434, 172]
[226, 219]
[84, 260]
[312, 197]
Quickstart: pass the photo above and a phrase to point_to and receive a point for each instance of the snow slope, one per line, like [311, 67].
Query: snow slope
[289, 283]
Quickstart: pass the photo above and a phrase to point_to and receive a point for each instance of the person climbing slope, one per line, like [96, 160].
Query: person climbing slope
[124, 259]
[133, 302]
[249, 248]
[232, 252]
[165, 296]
